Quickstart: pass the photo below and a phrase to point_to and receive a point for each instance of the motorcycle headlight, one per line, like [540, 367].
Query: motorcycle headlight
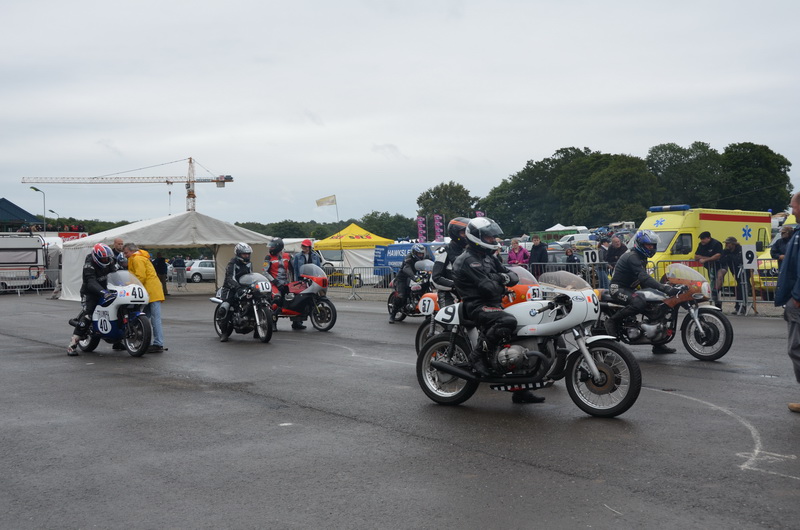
[706, 290]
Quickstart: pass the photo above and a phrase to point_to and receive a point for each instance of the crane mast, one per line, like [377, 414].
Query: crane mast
[189, 179]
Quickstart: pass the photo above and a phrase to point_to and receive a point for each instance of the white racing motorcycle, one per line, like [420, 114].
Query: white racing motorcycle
[551, 341]
[120, 318]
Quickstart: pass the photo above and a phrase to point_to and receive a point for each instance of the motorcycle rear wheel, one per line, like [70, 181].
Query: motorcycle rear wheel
[719, 335]
[399, 316]
[138, 336]
[89, 343]
[264, 327]
[622, 380]
[323, 315]
[425, 333]
[443, 388]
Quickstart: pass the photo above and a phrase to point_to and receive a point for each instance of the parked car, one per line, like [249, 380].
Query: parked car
[200, 270]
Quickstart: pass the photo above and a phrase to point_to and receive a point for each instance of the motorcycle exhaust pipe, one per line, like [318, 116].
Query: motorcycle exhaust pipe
[454, 370]
[215, 300]
[469, 376]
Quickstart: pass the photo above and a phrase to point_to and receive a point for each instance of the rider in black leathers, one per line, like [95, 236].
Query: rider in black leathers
[481, 280]
[629, 274]
[238, 266]
[407, 273]
[94, 290]
[442, 276]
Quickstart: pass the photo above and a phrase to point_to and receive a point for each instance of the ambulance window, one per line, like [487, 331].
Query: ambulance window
[683, 245]
[664, 239]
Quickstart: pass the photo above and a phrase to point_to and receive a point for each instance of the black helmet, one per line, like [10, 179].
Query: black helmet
[276, 246]
[454, 229]
[482, 233]
[243, 252]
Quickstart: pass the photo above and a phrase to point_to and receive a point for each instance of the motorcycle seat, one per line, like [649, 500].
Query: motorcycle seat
[605, 296]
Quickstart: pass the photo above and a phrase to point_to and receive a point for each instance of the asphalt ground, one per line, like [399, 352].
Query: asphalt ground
[331, 430]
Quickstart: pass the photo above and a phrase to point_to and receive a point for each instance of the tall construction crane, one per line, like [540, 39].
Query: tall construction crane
[189, 179]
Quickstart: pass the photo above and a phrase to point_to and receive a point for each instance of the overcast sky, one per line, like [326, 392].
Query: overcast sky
[373, 101]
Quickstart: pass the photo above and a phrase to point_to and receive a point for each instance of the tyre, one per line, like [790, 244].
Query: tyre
[399, 316]
[621, 380]
[89, 343]
[220, 322]
[323, 315]
[425, 332]
[197, 277]
[443, 388]
[718, 331]
[138, 335]
[264, 327]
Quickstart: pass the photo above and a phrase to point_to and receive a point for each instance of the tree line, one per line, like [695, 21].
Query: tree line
[582, 187]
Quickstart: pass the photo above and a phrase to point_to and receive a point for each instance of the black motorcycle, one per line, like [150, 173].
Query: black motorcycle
[251, 309]
[706, 333]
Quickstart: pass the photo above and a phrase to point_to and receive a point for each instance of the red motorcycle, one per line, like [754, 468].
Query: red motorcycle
[307, 299]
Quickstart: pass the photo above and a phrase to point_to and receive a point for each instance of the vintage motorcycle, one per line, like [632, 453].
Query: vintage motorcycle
[307, 298]
[602, 377]
[252, 310]
[120, 318]
[428, 306]
[706, 332]
[419, 286]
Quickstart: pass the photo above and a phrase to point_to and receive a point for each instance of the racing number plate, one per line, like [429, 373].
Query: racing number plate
[264, 287]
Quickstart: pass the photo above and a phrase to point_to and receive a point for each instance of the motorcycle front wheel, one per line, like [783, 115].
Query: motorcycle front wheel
[443, 388]
[399, 316]
[426, 332]
[718, 335]
[619, 386]
[138, 335]
[89, 343]
[264, 327]
[323, 315]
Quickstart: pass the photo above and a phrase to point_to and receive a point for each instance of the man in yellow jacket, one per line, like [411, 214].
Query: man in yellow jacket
[139, 265]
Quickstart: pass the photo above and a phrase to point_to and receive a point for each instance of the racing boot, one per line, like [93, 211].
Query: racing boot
[72, 348]
[477, 357]
[525, 396]
[298, 324]
[662, 349]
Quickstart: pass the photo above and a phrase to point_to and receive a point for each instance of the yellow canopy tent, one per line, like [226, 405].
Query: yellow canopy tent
[353, 246]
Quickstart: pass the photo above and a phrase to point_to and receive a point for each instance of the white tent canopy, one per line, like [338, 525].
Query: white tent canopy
[183, 230]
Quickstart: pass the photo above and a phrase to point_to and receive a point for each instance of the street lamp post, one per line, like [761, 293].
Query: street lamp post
[58, 217]
[44, 209]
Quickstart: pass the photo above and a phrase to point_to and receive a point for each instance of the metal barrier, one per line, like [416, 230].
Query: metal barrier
[36, 279]
[361, 282]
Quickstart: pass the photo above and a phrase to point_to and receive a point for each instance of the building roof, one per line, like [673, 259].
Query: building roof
[11, 213]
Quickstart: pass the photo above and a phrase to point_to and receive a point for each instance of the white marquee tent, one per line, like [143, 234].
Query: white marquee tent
[183, 230]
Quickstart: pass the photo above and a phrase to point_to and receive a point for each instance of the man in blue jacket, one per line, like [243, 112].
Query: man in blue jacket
[787, 294]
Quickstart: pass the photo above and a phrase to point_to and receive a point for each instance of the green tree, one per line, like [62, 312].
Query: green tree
[756, 178]
[690, 175]
[387, 225]
[449, 200]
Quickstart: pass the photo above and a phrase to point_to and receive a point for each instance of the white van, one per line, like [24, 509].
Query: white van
[577, 241]
[23, 261]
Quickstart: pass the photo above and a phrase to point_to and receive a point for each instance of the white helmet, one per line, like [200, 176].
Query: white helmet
[243, 252]
[482, 233]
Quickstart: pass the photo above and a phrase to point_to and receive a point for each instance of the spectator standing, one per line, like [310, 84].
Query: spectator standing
[179, 268]
[139, 265]
[517, 255]
[572, 260]
[122, 263]
[778, 249]
[787, 294]
[708, 253]
[731, 260]
[602, 268]
[615, 251]
[160, 264]
[538, 256]
[304, 256]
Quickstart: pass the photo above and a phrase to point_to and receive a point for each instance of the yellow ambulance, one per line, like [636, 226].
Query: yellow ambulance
[679, 228]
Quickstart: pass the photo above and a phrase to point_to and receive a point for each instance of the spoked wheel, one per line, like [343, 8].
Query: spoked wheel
[718, 335]
[399, 316]
[89, 343]
[443, 388]
[264, 327]
[619, 384]
[219, 320]
[426, 332]
[138, 335]
[323, 315]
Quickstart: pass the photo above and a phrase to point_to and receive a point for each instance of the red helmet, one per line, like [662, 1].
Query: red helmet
[102, 254]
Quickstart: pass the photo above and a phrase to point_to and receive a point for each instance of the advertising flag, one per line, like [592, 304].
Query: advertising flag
[480, 214]
[438, 226]
[327, 201]
[421, 231]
